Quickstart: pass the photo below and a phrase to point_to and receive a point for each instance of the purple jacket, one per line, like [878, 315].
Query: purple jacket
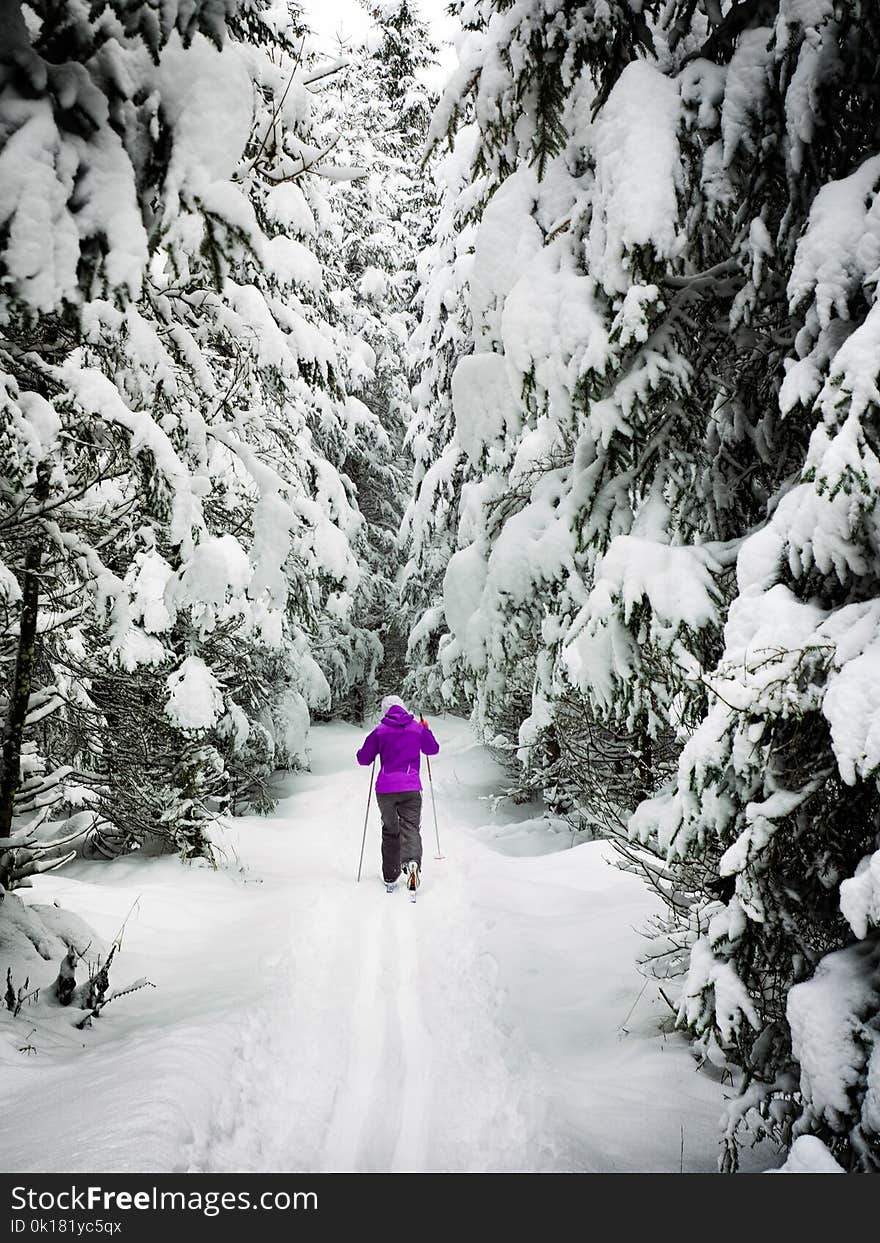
[400, 741]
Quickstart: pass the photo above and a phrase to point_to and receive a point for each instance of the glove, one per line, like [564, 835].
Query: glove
[422, 721]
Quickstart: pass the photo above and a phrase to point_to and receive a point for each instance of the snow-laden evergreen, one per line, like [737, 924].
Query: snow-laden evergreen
[653, 445]
[441, 337]
[178, 417]
[380, 108]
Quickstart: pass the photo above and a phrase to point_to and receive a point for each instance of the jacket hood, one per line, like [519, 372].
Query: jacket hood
[397, 716]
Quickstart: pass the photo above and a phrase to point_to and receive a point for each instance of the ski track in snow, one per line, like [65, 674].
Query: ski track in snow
[348, 1136]
[409, 1151]
[380, 1106]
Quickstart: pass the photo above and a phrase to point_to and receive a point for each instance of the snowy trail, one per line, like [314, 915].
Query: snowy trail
[304, 1022]
[381, 1094]
[410, 1150]
[380, 1109]
[367, 1026]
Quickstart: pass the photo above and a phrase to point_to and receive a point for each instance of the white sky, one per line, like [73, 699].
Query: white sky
[333, 18]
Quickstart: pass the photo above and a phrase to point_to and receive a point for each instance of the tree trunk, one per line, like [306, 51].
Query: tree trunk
[20, 691]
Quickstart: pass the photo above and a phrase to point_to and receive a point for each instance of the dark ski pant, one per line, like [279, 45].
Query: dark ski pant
[401, 840]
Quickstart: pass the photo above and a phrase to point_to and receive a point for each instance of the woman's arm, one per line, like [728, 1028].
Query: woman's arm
[369, 750]
[428, 743]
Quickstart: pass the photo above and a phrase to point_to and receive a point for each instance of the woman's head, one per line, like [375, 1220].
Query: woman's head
[392, 701]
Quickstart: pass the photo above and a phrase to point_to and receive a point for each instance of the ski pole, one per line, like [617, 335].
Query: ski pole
[434, 805]
[433, 800]
[366, 818]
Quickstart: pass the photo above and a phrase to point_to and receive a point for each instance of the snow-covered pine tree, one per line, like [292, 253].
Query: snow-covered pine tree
[777, 788]
[83, 164]
[679, 259]
[186, 389]
[443, 335]
[380, 108]
[500, 565]
[269, 406]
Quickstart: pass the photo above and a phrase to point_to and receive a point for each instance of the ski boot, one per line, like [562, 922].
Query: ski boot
[411, 872]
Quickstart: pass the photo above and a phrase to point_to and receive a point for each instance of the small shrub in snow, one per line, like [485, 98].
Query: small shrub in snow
[14, 998]
[66, 981]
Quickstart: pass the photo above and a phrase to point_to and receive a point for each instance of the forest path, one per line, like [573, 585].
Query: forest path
[303, 1022]
[380, 1048]
[497, 1024]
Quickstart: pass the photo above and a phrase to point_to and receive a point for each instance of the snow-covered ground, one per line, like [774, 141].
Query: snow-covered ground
[303, 1022]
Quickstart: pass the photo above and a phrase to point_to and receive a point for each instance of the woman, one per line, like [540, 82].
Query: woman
[400, 741]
